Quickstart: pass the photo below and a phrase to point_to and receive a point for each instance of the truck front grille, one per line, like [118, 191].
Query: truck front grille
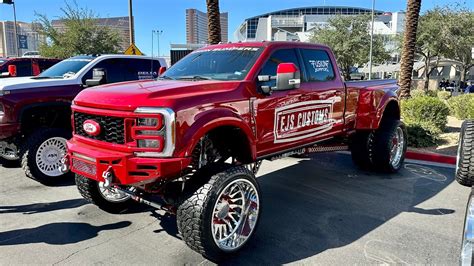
[112, 128]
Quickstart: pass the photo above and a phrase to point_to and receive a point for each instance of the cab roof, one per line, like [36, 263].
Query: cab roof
[264, 44]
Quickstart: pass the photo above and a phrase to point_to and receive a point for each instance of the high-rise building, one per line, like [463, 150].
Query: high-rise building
[196, 27]
[120, 24]
[28, 32]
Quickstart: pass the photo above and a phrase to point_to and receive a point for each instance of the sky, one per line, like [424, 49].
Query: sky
[169, 16]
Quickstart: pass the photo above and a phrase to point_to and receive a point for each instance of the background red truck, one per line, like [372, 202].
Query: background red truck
[197, 136]
[24, 66]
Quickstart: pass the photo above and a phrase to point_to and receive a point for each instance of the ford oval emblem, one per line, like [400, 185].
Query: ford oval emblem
[91, 127]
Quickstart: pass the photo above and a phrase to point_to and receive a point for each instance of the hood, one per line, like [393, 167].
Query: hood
[130, 95]
[12, 84]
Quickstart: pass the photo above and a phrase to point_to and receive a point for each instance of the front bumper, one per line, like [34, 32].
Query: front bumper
[9, 130]
[127, 169]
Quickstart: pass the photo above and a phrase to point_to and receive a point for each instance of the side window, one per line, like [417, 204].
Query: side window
[113, 69]
[278, 57]
[318, 65]
[23, 68]
[137, 69]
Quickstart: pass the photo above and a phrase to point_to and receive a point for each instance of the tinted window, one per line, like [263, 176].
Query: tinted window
[318, 65]
[137, 69]
[113, 69]
[278, 57]
[23, 68]
[67, 66]
[231, 63]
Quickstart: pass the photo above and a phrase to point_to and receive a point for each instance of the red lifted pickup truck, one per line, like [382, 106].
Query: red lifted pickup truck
[197, 135]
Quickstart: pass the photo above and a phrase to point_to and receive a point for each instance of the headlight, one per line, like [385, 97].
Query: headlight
[467, 248]
[154, 132]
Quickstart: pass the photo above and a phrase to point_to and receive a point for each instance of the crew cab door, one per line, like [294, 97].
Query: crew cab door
[323, 95]
[267, 125]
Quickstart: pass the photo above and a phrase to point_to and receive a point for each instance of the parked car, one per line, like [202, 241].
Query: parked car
[24, 67]
[31, 54]
[35, 112]
[196, 137]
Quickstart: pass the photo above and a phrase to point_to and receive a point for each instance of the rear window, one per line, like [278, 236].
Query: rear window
[318, 65]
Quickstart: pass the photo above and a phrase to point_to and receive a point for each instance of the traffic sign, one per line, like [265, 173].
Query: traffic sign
[133, 50]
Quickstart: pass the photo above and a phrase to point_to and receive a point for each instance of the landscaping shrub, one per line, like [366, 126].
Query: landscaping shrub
[444, 95]
[462, 106]
[425, 110]
[417, 93]
[425, 118]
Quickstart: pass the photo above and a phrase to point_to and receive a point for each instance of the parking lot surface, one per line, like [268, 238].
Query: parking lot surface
[315, 210]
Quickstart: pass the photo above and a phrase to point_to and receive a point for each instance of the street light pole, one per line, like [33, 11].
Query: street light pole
[16, 30]
[158, 33]
[130, 22]
[371, 40]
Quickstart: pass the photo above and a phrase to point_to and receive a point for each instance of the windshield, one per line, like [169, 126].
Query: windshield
[217, 64]
[69, 67]
[2, 61]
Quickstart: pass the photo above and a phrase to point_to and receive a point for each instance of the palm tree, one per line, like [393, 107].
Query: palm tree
[409, 43]
[213, 21]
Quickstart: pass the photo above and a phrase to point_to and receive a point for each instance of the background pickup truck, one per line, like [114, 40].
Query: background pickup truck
[197, 135]
[24, 66]
[35, 113]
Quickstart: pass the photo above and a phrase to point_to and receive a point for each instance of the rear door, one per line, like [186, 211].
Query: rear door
[138, 69]
[323, 95]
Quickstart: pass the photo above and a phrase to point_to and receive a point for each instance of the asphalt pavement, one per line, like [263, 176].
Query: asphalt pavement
[318, 210]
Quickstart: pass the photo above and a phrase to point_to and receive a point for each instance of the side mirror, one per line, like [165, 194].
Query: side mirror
[99, 77]
[288, 77]
[161, 70]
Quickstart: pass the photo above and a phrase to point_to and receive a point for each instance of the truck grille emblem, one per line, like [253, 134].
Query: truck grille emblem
[91, 127]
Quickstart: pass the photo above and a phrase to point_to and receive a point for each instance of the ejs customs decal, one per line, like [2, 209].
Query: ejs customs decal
[301, 120]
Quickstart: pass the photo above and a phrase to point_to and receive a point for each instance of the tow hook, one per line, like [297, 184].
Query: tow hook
[107, 175]
[65, 167]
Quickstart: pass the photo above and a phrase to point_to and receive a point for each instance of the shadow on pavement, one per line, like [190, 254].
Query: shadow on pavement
[43, 207]
[57, 233]
[325, 203]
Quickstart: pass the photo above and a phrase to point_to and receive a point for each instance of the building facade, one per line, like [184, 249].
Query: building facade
[296, 24]
[119, 24]
[26, 31]
[196, 27]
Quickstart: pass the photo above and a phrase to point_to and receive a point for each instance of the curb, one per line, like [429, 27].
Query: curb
[430, 157]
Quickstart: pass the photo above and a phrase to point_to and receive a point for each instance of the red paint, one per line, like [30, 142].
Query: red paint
[12, 70]
[431, 157]
[201, 106]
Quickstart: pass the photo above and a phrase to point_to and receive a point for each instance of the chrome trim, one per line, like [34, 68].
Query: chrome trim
[170, 130]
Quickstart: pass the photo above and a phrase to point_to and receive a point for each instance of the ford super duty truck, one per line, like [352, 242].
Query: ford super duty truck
[35, 112]
[196, 135]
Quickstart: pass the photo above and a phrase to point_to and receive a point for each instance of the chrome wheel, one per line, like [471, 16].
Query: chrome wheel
[49, 155]
[467, 247]
[235, 215]
[397, 147]
[111, 194]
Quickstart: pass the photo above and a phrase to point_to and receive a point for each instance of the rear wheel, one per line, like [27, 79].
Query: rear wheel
[108, 199]
[465, 155]
[218, 216]
[42, 153]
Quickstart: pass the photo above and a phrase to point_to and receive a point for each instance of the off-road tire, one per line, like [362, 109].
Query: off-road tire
[28, 154]
[360, 146]
[371, 150]
[465, 157]
[89, 190]
[195, 211]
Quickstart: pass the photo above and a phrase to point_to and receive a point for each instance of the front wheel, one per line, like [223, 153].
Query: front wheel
[219, 216]
[108, 199]
[42, 153]
[465, 155]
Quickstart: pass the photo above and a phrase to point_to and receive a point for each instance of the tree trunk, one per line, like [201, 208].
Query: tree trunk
[426, 75]
[213, 21]
[409, 41]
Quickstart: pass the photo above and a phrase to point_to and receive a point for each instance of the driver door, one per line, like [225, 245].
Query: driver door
[266, 120]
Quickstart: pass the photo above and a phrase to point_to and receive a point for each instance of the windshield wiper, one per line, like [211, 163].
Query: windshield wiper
[194, 77]
[46, 77]
[165, 77]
